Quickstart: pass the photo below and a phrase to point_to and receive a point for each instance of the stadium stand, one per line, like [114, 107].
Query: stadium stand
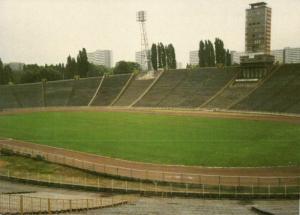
[111, 87]
[198, 87]
[7, 98]
[230, 95]
[29, 95]
[295, 108]
[124, 88]
[163, 87]
[83, 90]
[206, 88]
[134, 90]
[58, 92]
[280, 93]
[186, 88]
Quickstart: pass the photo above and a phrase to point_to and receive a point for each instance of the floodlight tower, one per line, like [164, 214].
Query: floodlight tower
[145, 53]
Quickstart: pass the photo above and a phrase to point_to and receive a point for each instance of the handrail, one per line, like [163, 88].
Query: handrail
[96, 92]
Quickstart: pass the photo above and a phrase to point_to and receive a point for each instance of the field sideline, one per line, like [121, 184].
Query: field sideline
[162, 138]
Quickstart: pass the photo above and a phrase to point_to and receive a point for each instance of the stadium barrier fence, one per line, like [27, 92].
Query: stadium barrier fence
[96, 183]
[22, 204]
[192, 183]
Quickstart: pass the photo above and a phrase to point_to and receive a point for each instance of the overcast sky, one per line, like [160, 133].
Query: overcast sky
[47, 31]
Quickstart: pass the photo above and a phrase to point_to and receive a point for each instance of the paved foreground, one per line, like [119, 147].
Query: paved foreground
[164, 206]
[179, 206]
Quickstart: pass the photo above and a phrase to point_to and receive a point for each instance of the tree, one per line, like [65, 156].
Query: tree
[159, 56]
[97, 70]
[32, 73]
[211, 54]
[50, 73]
[170, 57]
[61, 69]
[74, 67]
[82, 63]
[173, 56]
[69, 71]
[206, 53]
[79, 64]
[163, 55]
[223, 53]
[228, 58]
[220, 51]
[6, 74]
[123, 67]
[134, 67]
[35, 73]
[201, 54]
[1, 72]
[154, 56]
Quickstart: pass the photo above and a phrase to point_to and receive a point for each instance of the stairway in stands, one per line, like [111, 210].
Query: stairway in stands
[163, 87]
[133, 91]
[83, 91]
[197, 87]
[110, 89]
[231, 94]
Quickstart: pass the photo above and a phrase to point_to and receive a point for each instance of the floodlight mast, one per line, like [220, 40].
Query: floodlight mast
[145, 54]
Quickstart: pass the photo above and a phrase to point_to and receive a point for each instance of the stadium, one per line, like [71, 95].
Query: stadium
[221, 122]
[201, 131]
[223, 132]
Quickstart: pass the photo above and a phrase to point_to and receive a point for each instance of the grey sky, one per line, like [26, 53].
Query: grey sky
[46, 31]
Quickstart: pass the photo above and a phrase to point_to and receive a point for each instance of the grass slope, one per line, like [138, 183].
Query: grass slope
[161, 138]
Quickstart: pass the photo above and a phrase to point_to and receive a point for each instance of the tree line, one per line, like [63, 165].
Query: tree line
[6, 74]
[163, 57]
[82, 68]
[79, 66]
[211, 55]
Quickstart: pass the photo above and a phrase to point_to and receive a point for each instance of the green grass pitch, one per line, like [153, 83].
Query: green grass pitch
[158, 138]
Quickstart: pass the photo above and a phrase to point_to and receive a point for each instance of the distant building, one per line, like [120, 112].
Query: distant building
[257, 60]
[101, 57]
[258, 28]
[235, 56]
[140, 58]
[178, 65]
[286, 55]
[292, 55]
[194, 57]
[278, 55]
[16, 66]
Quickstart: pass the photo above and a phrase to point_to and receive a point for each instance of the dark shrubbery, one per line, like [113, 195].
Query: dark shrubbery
[39, 158]
[6, 152]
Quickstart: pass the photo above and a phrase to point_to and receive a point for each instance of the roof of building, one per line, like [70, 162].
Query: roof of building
[258, 4]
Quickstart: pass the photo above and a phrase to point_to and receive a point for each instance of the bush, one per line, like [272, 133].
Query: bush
[39, 158]
[124, 67]
[6, 151]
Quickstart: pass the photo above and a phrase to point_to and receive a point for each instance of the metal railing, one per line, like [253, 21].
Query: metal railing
[151, 175]
[96, 183]
[22, 204]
